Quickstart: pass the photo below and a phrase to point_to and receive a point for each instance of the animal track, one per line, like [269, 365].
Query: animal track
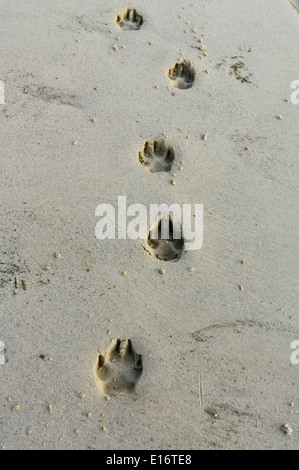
[156, 156]
[168, 247]
[182, 74]
[129, 19]
[119, 369]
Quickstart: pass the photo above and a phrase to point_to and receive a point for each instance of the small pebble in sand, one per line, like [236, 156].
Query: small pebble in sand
[78, 40]
[104, 429]
[16, 408]
[241, 287]
[48, 268]
[243, 261]
[123, 47]
[151, 43]
[157, 87]
[247, 149]
[51, 409]
[292, 404]
[75, 142]
[57, 255]
[29, 431]
[286, 100]
[173, 182]
[115, 47]
[280, 118]
[186, 31]
[200, 40]
[205, 137]
[110, 31]
[162, 272]
[94, 120]
[192, 270]
[89, 414]
[202, 48]
[124, 273]
[77, 431]
[286, 429]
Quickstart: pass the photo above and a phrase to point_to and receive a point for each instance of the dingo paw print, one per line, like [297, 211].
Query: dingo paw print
[118, 370]
[156, 156]
[182, 74]
[165, 241]
[129, 19]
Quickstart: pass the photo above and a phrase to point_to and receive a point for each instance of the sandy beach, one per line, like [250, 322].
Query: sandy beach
[214, 328]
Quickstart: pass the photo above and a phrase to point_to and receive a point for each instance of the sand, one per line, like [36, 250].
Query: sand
[217, 372]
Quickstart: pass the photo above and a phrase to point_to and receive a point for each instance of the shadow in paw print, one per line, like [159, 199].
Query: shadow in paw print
[129, 19]
[118, 370]
[182, 74]
[156, 156]
[165, 241]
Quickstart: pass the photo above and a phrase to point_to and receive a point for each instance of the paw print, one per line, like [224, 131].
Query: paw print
[164, 242]
[129, 19]
[182, 74]
[118, 370]
[156, 156]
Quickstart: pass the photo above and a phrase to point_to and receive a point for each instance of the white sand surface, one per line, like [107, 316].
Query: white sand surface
[187, 326]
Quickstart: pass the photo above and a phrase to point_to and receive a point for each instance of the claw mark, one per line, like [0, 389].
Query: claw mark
[129, 19]
[182, 74]
[156, 156]
[119, 369]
